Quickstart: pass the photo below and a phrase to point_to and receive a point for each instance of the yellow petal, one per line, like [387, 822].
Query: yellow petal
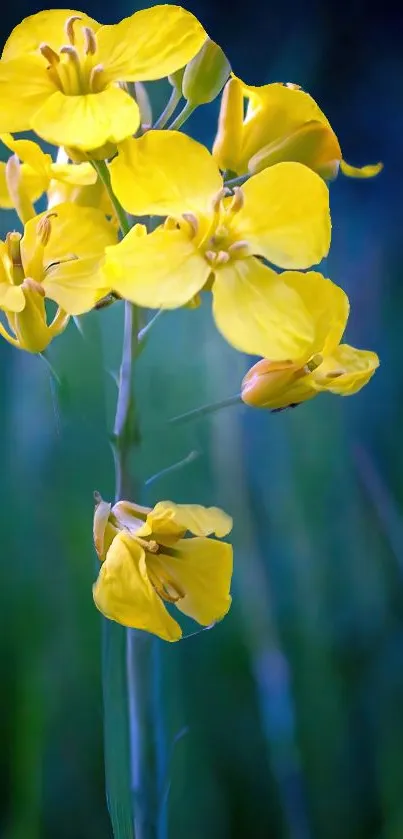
[87, 121]
[123, 592]
[76, 174]
[313, 144]
[259, 314]
[169, 520]
[25, 87]
[327, 305]
[346, 371]
[163, 270]
[47, 26]
[11, 297]
[286, 217]
[164, 173]
[150, 44]
[274, 111]
[76, 286]
[202, 570]
[368, 171]
[33, 185]
[76, 232]
[29, 152]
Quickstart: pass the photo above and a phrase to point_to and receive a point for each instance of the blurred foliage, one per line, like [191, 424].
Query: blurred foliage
[285, 720]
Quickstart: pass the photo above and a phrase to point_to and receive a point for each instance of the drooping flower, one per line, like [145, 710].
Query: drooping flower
[213, 240]
[147, 561]
[281, 122]
[29, 173]
[61, 72]
[58, 257]
[327, 365]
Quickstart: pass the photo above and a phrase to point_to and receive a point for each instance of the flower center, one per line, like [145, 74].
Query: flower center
[74, 69]
[216, 236]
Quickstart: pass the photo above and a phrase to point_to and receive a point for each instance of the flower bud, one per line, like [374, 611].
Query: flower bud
[206, 74]
[228, 141]
[176, 79]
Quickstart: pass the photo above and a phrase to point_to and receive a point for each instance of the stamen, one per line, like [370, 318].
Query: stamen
[90, 42]
[192, 222]
[69, 28]
[313, 363]
[50, 55]
[95, 78]
[237, 201]
[222, 258]
[238, 246]
[44, 228]
[72, 53]
[32, 285]
[334, 374]
[211, 256]
[13, 241]
[215, 204]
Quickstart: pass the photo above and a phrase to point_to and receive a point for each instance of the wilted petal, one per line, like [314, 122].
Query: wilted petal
[346, 371]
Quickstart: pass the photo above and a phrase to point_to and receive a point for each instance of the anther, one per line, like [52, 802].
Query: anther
[44, 228]
[69, 28]
[238, 246]
[90, 43]
[313, 363]
[192, 222]
[48, 53]
[222, 258]
[215, 204]
[95, 78]
[13, 241]
[211, 256]
[237, 201]
[32, 285]
[71, 52]
[334, 374]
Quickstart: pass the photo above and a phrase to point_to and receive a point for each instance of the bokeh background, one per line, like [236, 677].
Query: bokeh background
[285, 721]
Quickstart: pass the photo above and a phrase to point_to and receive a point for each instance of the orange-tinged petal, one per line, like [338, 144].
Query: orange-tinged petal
[46, 26]
[87, 121]
[150, 44]
[162, 270]
[202, 570]
[276, 385]
[259, 314]
[25, 87]
[346, 371]
[164, 173]
[368, 171]
[285, 217]
[123, 591]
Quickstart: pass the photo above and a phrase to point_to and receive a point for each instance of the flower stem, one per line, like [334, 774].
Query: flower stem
[102, 171]
[169, 109]
[183, 115]
[237, 181]
[211, 408]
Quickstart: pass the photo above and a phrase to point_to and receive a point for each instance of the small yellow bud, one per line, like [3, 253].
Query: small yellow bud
[228, 141]
[206, 74]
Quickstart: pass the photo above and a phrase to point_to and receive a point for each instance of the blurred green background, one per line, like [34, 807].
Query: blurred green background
[285, 721]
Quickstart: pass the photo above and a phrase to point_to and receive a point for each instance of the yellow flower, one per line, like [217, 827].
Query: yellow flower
[211, 239]
[282, 122]
[327, 365]
[61, 72]
[22, 185]
[58, 257]
[148, 560]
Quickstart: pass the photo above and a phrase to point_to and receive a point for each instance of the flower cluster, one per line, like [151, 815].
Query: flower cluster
[241, 224]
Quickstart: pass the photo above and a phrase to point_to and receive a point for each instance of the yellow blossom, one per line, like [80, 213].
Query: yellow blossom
[211, 240]
[22, 185]
[327, 364]
[61, 72]
[147, 561]
[281, 122]
[58, 257]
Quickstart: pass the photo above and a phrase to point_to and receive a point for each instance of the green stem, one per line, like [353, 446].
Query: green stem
[146, 329]
[183, 115]
[211, 408]
[237, 181]
[169, 109]
[101, 168]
